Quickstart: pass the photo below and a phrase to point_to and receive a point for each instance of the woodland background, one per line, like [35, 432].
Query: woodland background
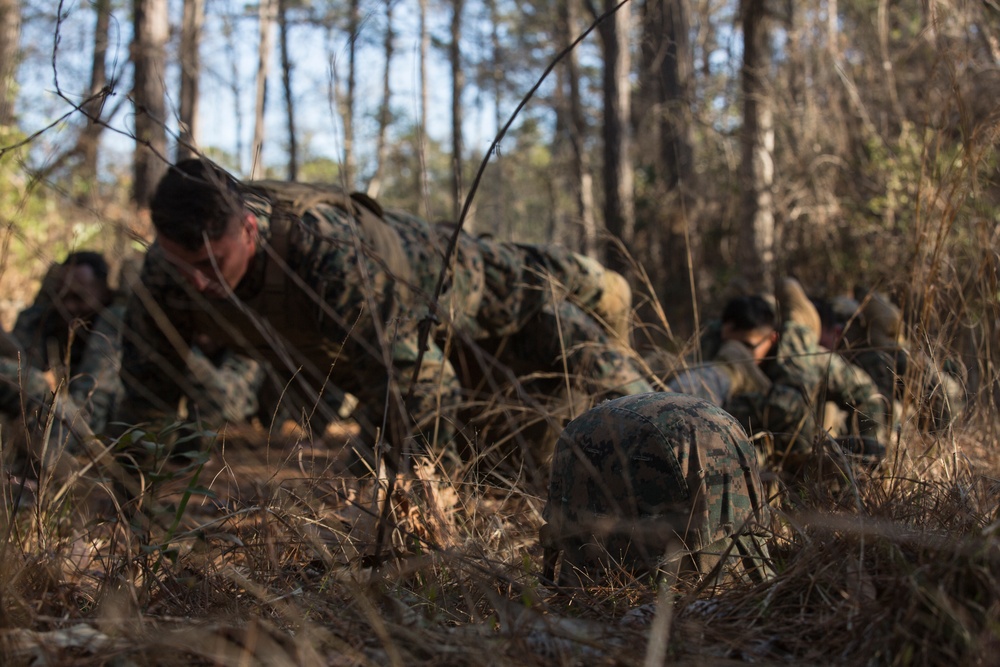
[842, 142]
[690, 143]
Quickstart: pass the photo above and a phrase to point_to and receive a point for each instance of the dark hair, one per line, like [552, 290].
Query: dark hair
[194, 198]
[94, 260]
[746, 313]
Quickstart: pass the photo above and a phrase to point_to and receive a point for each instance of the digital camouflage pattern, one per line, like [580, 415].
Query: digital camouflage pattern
[709, 381]
[21, 386]
[318, 305]
[803, 376]
[48, 342]
[652, 475]
[32, 410]
[824, 376]
[97, 387]
[874, 341]
[335, 297]
[547, 300]
[225, 387]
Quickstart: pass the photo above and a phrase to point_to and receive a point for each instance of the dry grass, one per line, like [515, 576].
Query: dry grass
[270, 563]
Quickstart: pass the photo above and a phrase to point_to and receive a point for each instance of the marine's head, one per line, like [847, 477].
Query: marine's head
[203, 226]
[750, 320]
[78, 287]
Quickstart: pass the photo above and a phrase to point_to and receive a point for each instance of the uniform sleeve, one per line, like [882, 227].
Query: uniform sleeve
[21, 386]
[854, 390]
[358, 281]
[709, 382]
[27, 332]
[97, 387]
[152, 367]
[227, 390]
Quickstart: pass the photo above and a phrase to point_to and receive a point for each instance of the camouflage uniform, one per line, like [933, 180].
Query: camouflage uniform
[324, 300]
[21, 385]
[28, 404]
[804, 375]
[225, 386]
[550, 303]
[825, 376]
[731, 372]
[46, 340]
[651, 477]
[874, 341]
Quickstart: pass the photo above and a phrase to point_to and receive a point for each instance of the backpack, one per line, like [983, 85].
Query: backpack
[291, 200]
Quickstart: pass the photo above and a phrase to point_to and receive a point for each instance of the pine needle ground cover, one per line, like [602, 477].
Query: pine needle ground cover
[266, 549]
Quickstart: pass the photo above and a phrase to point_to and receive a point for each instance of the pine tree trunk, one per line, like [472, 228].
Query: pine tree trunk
[667, 68]
[385, 112]
[457, 85]
[266, 19]
[619, 202]
[580, 175]
[757, 168]
[90, 135]
[10, 37]
[423, 206]
[149, 59]
[352, 30]
[191, 24]
[286, 82]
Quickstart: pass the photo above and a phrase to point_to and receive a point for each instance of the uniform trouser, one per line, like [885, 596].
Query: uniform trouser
[25, 396]
[563, 338]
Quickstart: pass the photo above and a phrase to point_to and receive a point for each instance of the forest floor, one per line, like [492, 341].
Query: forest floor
[267, 550]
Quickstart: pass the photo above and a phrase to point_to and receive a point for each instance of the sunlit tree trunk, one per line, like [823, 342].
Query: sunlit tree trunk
[91, 132]
[10, 37]
[619, 201]
[832, 30]
[286, 83]
[264, 48]
[385, 111]
[425, 46]
[666, 79]
[229, 32]
[580, 176]
[348, 111]
[191, 24]
[500, 222]
[457, 85]
[150, 33]
[757, 251]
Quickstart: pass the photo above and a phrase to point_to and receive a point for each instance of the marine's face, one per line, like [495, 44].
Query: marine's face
[759, 341]
[81, 293]
[216, 268]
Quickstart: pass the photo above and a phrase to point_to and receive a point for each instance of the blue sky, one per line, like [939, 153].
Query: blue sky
[318, 124]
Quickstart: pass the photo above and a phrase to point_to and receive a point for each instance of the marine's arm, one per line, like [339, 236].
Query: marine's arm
[854, 390]
[97, 386]
[227, 388]
[152, 368]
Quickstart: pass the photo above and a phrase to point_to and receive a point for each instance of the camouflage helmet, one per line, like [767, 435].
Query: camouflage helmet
[640, 475]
